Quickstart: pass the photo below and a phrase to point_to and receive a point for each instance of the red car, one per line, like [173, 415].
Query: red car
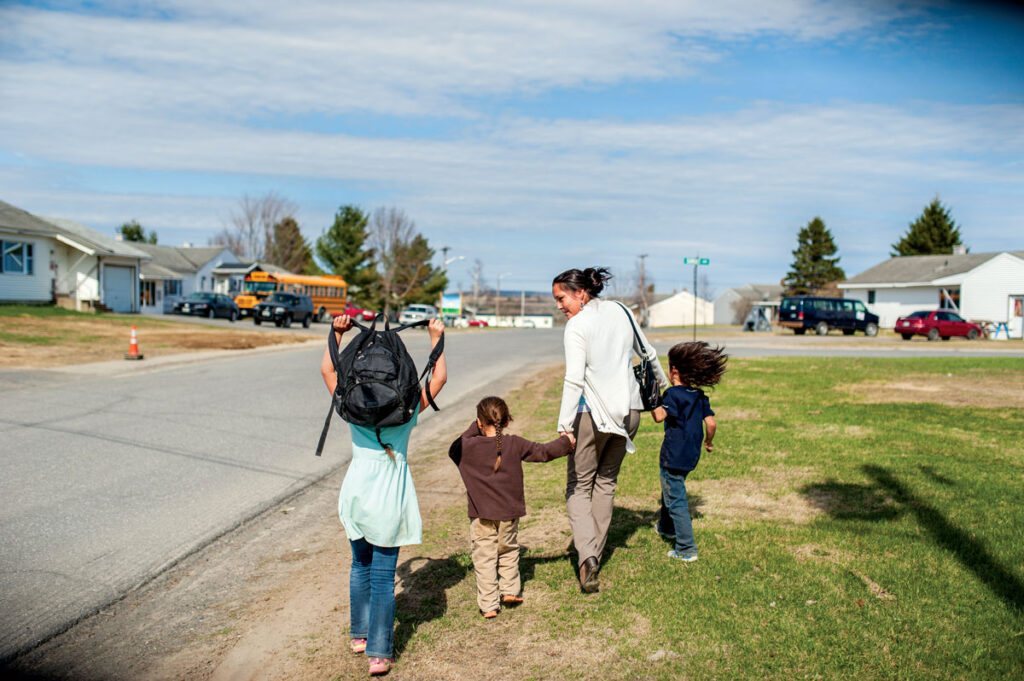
[359, 313]
[936, 324]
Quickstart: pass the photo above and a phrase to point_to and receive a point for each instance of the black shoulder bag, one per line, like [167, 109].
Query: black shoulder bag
[650, 393]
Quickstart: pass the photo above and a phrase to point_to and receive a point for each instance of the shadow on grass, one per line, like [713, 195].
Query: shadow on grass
[424, 595]
[886, 497]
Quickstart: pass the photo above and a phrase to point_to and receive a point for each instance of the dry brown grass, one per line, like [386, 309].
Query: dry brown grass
[770, 496]
[950, 390]
[37, 342]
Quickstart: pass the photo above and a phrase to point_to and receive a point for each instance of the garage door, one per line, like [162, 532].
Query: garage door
[118, 287]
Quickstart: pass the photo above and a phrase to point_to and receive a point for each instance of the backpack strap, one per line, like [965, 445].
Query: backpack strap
[332, 348]
[435, 354]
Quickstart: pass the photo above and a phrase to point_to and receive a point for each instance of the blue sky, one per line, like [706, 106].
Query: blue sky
[535, 136]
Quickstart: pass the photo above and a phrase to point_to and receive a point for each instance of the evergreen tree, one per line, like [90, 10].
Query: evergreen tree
[933, 233]
[813, 267]
[133, 231]
[342, 249]
[287, 247]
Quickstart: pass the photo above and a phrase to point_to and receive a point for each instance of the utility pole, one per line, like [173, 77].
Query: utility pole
[696, 262]
[643, 290]
[497, 300]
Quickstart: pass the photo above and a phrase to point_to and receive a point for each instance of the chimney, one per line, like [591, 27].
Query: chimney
[959, 249]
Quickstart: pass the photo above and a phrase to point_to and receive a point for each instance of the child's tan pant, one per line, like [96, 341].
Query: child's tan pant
[495, 560]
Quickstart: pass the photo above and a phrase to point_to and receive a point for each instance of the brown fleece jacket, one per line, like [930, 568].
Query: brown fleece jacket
[498, 495]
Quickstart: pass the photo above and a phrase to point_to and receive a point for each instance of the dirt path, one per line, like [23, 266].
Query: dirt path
[269, 600]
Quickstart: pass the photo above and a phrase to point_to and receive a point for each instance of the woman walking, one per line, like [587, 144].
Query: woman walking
[600, 406]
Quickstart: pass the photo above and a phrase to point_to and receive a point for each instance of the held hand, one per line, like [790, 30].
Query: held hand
[342, 323]
[572, 439]
[436, 328]
[708, 446]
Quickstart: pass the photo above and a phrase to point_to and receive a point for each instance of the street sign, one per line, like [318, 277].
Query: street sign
[696, 261]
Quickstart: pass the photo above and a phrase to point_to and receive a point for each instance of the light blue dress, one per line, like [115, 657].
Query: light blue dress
[378, 500]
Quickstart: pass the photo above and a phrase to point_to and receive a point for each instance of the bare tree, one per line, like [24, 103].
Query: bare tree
[252, 222]
[403, 256]
[478, 276]
[705, 285]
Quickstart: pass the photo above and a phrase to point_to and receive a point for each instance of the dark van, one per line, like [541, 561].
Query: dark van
[822, 314]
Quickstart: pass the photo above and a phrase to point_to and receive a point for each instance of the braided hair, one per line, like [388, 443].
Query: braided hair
[492, 411]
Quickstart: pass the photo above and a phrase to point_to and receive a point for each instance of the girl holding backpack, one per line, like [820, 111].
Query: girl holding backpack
[380, 512]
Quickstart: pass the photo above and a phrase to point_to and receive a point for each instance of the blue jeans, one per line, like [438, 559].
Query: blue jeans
[675, 512]
[371, 589]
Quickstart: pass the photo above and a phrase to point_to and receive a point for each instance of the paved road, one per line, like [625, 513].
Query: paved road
[106, 481]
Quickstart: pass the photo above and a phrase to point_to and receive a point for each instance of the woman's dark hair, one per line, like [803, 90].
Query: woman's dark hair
[492, 411]
[590, 280]
[699, 365]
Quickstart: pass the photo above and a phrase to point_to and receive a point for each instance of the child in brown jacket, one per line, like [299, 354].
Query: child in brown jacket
[490, 463]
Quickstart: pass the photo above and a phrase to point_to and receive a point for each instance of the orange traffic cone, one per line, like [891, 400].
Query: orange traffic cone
[133, 346]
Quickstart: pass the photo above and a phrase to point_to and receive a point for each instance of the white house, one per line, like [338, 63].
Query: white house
[982, 286]
[56, 260]
[176, 271]
[679, 310]
[732, 305]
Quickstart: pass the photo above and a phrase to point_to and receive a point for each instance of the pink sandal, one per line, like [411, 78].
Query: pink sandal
[358, 645]
[379, 666]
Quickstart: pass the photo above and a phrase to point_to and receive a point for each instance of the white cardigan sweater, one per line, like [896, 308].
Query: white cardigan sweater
[599, 347]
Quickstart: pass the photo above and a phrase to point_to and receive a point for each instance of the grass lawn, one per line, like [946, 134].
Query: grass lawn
[847, 528]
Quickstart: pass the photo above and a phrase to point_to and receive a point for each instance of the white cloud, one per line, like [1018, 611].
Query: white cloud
[134, 89]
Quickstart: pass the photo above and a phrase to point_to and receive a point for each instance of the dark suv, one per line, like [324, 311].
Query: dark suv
[821, 314]
[283, 308]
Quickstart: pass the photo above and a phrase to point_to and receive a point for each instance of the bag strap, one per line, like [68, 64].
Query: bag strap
[636, 333]
[435, 354]
[332, 348]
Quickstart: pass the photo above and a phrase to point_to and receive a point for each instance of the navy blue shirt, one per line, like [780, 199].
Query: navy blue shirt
[686, 410]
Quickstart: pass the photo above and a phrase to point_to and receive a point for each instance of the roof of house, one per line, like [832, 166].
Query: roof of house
[19, 220]
[756, 291]
[151, 270]
[246, 267]
[102, 244]
[909, 269]
[182, 258]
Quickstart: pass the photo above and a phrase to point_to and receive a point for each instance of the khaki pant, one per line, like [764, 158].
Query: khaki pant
[593, 470]
[495, 560]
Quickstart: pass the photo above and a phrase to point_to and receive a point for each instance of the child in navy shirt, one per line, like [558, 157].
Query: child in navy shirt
[688, 419]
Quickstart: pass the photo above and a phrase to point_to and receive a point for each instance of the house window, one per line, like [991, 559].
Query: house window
[17, 257]
[949, 298]
[871, 297]
[202, 284]
[172, 287]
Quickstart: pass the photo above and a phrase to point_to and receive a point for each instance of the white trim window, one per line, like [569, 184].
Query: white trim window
[16, 257]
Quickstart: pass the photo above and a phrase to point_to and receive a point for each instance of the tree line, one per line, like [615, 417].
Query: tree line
[815, 267]
[383, 259]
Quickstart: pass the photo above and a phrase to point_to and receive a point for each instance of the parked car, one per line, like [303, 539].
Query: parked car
[415, 313]
[465, 322]
[283, 309]
[822, 314]
[206, 304]
[359, 313]
[936, 324]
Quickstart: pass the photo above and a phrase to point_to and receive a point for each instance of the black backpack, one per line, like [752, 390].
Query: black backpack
[377, 381]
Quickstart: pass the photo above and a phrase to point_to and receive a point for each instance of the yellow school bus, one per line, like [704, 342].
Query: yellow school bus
[329, 292]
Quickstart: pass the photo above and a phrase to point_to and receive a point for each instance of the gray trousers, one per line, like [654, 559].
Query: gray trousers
[593, 470]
